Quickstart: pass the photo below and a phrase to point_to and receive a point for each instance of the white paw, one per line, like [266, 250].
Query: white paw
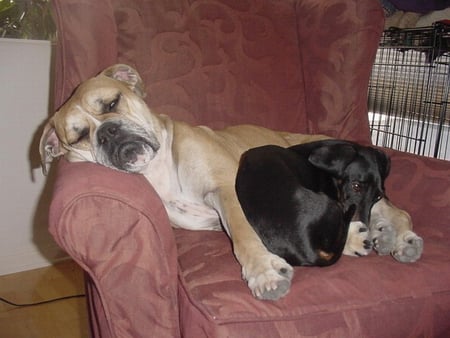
[383, 237]
[269, 278]
[358, 240]
[408, 247]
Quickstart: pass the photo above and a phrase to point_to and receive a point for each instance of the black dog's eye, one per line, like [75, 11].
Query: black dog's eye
[111, 107]
[356, 186]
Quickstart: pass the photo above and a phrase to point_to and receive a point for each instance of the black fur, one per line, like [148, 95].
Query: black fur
[300, 200]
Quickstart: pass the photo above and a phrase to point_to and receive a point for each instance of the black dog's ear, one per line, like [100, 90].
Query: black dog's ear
[384, 163]
[333, 158]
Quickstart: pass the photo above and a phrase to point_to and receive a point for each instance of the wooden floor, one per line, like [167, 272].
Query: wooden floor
[62, 319]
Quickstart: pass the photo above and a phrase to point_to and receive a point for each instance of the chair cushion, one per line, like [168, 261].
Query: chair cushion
[373, 296]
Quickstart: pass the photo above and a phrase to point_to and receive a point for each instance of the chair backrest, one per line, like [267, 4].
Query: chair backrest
[290, 65]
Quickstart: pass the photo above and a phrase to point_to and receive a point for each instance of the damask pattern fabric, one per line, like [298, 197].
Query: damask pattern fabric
[125, 244]
[216, 62]
[271, 63]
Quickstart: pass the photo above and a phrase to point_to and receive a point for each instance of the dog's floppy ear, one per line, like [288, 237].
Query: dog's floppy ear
[332, 158]
[383, 161]
[49, 147]
[127, 74]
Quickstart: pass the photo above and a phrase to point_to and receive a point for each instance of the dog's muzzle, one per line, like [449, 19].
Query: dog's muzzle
[125, 146]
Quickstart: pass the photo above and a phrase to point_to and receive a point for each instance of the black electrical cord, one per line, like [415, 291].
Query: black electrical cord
[42, 302]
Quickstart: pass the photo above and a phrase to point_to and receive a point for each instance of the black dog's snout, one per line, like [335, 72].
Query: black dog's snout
[107, 132]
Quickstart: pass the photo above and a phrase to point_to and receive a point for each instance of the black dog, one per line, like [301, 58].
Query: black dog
[300, 200]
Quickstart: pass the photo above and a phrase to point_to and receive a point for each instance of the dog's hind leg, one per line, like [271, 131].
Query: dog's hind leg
[268, 276]
[391, 232]
[408, 247]
[383, 235]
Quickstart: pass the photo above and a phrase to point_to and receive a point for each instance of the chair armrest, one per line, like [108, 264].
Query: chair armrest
[338, 40]
[421, 186]
[115, 227]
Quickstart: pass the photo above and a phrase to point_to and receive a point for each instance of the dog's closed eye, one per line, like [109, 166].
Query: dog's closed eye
[111, 106]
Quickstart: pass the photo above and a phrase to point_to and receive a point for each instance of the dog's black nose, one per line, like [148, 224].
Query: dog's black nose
[107, 132]
[129, 151]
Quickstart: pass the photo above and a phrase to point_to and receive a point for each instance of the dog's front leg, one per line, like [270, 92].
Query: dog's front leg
[358, 240]
[268, 276]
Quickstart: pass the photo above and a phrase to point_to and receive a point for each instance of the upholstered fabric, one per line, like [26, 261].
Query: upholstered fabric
[289, 65]
[422, 186]
[297, 65]
[125, 244]
[216, 63]
[373, 296]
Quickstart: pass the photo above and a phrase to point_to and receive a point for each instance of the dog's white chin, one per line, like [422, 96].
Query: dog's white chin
[142, 161]
[139, 165]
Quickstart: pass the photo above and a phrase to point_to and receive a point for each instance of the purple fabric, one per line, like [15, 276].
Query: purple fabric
[420, 6]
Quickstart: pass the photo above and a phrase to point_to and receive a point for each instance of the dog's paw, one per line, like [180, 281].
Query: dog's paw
[358, 240]
[383, 237]
[270, 279]
[408, 247]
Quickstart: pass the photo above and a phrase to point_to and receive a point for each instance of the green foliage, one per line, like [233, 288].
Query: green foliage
[26, 19]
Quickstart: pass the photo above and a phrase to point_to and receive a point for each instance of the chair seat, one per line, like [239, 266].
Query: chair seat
[375, 293]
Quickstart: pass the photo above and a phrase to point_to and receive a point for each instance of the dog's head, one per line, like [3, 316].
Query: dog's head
[359, 173]
[105, 121]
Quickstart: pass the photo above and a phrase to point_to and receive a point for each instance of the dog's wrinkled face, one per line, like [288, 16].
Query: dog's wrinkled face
[359, 172]
[124, 145]
[105, 121]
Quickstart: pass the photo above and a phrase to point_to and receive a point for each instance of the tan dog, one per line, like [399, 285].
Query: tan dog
[193, 169]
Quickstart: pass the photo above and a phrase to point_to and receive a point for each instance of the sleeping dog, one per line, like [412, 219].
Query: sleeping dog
[301, 200]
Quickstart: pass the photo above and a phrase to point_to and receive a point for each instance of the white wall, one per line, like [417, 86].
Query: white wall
[24, 96]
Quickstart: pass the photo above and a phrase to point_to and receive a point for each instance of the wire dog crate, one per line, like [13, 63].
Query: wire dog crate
[409, 108]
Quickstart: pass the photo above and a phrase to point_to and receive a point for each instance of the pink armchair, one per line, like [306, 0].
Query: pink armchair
[296, 65]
